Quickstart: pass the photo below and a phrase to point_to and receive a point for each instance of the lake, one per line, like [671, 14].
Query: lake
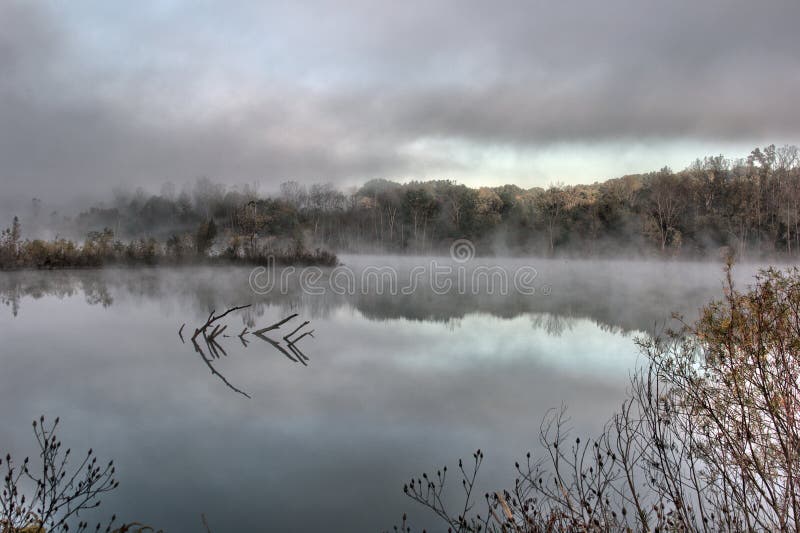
[322, 437]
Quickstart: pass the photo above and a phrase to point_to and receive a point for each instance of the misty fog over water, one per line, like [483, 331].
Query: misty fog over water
[279, 259]
[393, 384]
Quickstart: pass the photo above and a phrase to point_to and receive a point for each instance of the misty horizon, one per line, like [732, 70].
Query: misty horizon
[111, 195]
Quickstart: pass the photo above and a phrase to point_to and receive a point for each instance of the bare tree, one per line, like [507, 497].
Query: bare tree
[551, 205]
[294, 194]
[666, 203]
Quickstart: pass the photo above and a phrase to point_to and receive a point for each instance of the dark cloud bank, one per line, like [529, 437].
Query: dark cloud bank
[326, 92]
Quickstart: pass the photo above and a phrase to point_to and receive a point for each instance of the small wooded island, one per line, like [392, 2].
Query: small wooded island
[100, 248]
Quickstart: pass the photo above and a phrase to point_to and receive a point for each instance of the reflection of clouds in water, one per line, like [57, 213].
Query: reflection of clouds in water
[395, 385]
[577, 346]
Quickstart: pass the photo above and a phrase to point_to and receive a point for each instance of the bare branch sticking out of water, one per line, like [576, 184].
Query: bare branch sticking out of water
[212, 319]
[216, 351]
[298, 328]
[307, 333]
[217, 332]
[276, 325]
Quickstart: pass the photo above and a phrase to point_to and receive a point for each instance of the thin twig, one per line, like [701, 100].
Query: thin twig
[298, 328]
[276, 325]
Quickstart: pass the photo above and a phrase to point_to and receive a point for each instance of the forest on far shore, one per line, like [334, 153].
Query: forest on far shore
[749, 206]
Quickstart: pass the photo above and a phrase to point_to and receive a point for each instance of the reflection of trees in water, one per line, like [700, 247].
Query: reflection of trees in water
[11, 298]
[96, 293]
[610, 328]
[616, 300]
[557, 324]
[14, 287]
[554, 325]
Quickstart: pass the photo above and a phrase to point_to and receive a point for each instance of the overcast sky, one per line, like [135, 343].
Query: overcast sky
[94, 94]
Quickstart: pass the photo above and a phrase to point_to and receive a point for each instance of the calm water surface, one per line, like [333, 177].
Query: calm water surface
[393, 385]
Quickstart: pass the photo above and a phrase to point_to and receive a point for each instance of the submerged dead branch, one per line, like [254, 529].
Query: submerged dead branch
[211, 332]
[214, 318]
[276, 325]
[295, 330]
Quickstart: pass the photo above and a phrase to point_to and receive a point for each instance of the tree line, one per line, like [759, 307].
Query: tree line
[750, 206]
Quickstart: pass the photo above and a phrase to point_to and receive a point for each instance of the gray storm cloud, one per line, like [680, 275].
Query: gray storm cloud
[90, 99]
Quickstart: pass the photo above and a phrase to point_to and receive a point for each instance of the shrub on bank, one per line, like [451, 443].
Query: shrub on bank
[707, 440]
